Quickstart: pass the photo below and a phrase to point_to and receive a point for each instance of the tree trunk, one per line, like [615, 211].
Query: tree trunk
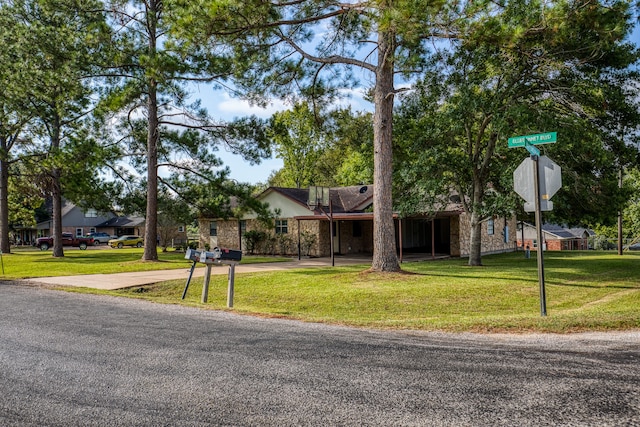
[56, 191]
[475, 240]
[5, 244]
[151, 220]
[620, 216]
[384, 242]
[56, 229]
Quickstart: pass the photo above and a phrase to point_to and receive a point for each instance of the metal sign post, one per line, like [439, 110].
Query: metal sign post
[536, 184]
[547, 179]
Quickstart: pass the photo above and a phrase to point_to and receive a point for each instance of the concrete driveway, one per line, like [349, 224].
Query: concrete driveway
[127, 280]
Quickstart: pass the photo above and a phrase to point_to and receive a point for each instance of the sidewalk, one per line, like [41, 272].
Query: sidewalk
[128, 280]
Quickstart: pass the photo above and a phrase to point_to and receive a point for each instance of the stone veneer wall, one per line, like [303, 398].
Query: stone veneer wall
[459, 229]
[349, 244]
[228, 234]
[490, 243]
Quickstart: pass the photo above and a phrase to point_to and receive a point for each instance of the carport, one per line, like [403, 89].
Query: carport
[348, 233]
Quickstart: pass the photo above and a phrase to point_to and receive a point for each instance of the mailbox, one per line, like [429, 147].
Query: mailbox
[229, 254]
[216, 256]
[192, 255]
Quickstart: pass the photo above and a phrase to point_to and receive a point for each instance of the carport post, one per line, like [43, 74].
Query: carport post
[205, 284]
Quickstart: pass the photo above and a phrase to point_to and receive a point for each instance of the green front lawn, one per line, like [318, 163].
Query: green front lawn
[31, 262]
[585, 291]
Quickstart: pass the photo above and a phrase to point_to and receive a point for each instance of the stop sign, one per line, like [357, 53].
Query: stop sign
[550, 175]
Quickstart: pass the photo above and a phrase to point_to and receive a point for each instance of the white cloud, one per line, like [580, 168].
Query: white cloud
[221, 105]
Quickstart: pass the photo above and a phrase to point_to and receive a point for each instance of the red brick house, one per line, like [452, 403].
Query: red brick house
[556, 238]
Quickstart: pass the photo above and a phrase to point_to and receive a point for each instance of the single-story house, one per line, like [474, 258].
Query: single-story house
[344, 222]
[556, 237]
[121, 225]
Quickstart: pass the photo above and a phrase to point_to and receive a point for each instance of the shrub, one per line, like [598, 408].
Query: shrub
[253, 239]
[307, 241]
[284, 244]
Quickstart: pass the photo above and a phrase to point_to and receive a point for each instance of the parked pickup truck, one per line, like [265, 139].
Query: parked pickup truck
[68, 239]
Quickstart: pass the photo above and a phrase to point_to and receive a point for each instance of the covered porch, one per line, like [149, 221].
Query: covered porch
[348, 234]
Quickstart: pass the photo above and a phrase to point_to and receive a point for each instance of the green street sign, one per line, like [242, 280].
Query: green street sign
[537, 139]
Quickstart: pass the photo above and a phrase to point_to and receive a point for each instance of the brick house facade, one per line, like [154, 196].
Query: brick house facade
[556, 238]
[447, 233]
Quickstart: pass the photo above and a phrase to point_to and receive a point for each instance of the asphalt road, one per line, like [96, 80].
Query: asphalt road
[71, 359]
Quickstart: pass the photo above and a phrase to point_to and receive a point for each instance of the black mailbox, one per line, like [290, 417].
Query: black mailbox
[230, 254]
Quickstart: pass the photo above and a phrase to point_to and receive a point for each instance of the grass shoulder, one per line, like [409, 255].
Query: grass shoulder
[586, 291]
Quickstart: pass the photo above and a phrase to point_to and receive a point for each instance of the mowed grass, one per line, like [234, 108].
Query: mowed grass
[25, 263]
[586, 291]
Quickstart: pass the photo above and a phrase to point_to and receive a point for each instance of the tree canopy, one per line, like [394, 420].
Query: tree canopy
[517, 68]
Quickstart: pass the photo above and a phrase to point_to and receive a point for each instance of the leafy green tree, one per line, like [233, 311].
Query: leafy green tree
[344, 157]
[274, 51]
[617, 115]
[59, 42]
[348, 159]
[299, 142]
[161, 129]
[517, 68]
[631, 212]
[13, 114]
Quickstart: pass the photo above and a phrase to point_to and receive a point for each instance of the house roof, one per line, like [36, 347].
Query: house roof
[564, 232]
[66, 209]
[123, 221]
[350, 199]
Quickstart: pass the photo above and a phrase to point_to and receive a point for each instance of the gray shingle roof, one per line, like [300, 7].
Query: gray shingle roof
[355, 198]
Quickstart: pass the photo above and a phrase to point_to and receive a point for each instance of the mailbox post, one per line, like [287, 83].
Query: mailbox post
[218, 256]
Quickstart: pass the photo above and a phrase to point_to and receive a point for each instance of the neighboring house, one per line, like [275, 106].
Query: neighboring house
[556, 237]
[350, 217]
[121, 225]
[135, 225]
[80, 222]
[75, 220]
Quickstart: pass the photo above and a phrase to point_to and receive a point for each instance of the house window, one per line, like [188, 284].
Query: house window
[79, 232]
[91, 213]
[490, 227]
[535, 243]
[181, 229]
[213, 228]
[243, 227]
[282, 226]
[92, 230]
[357, 229]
